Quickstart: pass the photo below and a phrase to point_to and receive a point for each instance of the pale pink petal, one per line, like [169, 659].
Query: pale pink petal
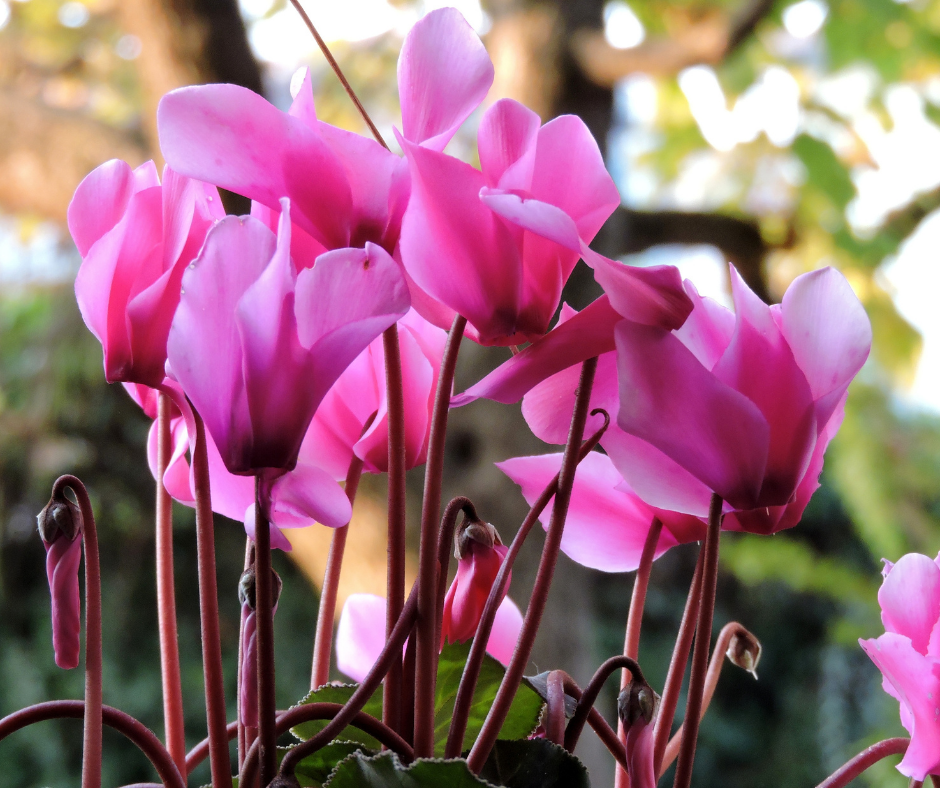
[446, 220]
[653, 296]
[306, 495]
[541, 218]
[506, 141]
[144, 396]
[176, 475]
[910, 599]
[444, 73]
[759, 364]
[708, 329]
[829, 333]
[302, 106]
[916, 679]
[606, 527]
[507, 624]
[668, 399]
[590, 333]
[360, 636]
[231, 495]
[278, 540]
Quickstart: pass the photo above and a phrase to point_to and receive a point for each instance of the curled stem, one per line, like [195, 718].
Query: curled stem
[601, 727]
[209, 614]
[728, 632]
[680, 656]
[471, 670]
[91, 746]
[555, 712]
[123, 723]
[592, 690]
[703, 632]
[543, 580]
[864, 760]
[166, 597]
[428, 564]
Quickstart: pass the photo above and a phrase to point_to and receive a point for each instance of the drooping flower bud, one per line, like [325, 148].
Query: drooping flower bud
[744, 651]
[248, 691]
[638, 706]
[480, 553]
[60, 526]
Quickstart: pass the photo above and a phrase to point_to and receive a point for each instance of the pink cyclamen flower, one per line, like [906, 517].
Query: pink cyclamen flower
[360, 636]
[60, 526]
[136, 236]
[336, 432]
[908, 656]
[256, 345]
[480, 554]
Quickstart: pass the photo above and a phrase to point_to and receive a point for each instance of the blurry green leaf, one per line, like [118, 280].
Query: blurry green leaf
[534, 763]
[897, 344]
[824, 170]
[386, 771]
[340, 693]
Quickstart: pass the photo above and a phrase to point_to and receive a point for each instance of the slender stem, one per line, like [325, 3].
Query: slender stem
[703, 633]
[543, 580]
[395, 589]
[123, 723]
[715, 664]
[201, 751]
[91, 747]
[243, 743]
[326, 711]
[360, 697]
[323, 640]
[555, 708]
[428, 565]
[264, 612]
[680, 656]
[339, 73]
[219, 764]
[631, 640]
[593, 689]
[864, 760]
[471, 670]
[166, 597]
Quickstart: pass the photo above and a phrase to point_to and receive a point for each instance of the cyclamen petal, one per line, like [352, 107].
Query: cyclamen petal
[910, 599]
[63, 557]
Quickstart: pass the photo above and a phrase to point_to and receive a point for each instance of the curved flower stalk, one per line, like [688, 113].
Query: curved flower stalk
[360, 636]
[60, 527]
[908, 656]
[136, 236]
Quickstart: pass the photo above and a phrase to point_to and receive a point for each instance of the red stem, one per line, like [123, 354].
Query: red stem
[717, 662]
[680, 656]
[326, 711]
[323, 640]
[264, 612]
[243, 744]
[631, 640]
[593, 689]
[864, 760]
[219, 763]
[199, 753]
[428, 565]
[471, 670]
[703, 633]
[360, 697]
[91, 747]
[555, 708]
[123, 723]
[166, 597]
[543, 580]
[395, 589]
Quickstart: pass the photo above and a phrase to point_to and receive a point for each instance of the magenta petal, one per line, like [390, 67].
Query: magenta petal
[507, 624]
[63, 558]
[916, 680]
[302, 106]
[444, 73]
[204, 347]
[759, 364]
[589, 333]
[829, 333]
[344, 302]
[541, 218]
[278, 540]
[910, 599]
[606, 528]
[309, 494]
[708, 330]
[668, 399]
[360, 636]
[176, 476]
[652, 296]
[506, 141]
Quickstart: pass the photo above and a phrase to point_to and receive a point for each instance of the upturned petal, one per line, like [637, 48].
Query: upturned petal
[910, 599]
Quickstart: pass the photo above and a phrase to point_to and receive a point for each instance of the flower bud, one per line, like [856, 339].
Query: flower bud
[744, 651]
[638, 706]
[59, 517]
[246, 587]
[480, 553]
[248, 672]
[637, 702]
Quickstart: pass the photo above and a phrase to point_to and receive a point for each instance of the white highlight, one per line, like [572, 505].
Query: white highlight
[806, 18]
[622, 27]
[73, 15]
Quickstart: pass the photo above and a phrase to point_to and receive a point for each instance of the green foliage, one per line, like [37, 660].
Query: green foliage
[340, 693]
[314, 770]
[386, 771]
[534, 763]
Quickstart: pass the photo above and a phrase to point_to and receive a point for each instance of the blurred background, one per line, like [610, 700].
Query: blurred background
[781, 136]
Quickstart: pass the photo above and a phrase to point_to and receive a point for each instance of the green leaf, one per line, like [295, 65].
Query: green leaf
[523, 717]
[386, 771]
[534, 763]
[340, 693]
[824, 170]
[314, 770]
